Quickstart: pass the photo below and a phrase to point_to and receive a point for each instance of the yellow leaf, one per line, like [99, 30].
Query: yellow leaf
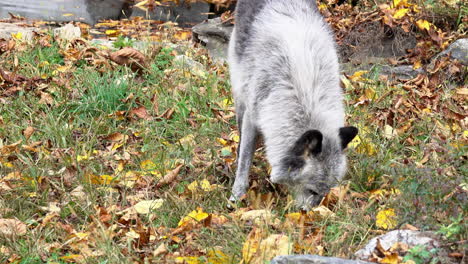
[182, 35]
[217, 257]
[369, 93]
[226, 103]
[17, 36]
[234, 136]
[417, 65]
[112, 32]
[193, 186]
[129, 179]
[68, 15]
[106, 179]
[187, 140]
[386, 219]
[43, 63]
[465, 134]
[63, 68]
[322, 6]
[196, 215]
[423, 24]
[400, 3]
[222, 141]
[204, 185]
[74, 257]
[81, 235]
[355, 142]
[80, 157]
[392, 258]
[8, 164]
[188, 260]
[145, 207]
[107, 24]
[380, 194]
[400, 13]
[357, 76]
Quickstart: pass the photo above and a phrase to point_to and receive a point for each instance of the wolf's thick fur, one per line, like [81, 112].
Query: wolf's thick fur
[285, 82]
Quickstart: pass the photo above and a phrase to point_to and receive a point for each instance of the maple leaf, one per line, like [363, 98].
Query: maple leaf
[386, 219]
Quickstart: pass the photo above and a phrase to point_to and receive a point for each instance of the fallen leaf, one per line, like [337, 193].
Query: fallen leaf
[160, 250]
[259, 250]
[257, 216]
[400, 13]
[12, 227]
[423, 24]
[28, 132]
[129, 57]
[170, 177]
[386, 219]
[145, 207]
[196, 215]
[141, 112]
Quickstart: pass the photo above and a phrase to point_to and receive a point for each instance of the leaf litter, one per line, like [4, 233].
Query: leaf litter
[153, 186]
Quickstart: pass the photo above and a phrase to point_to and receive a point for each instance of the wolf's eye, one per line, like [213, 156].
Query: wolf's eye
[310, 192]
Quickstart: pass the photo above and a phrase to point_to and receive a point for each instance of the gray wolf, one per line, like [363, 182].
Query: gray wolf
[285, 81]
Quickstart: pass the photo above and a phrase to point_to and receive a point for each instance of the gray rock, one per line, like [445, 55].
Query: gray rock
[6, 29]
[68, 32]
[314, 259]
[409, 237]
[458, 50]
[214, 35]
[403, 72]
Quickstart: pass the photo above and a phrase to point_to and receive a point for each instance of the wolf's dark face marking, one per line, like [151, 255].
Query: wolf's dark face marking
[314, 165]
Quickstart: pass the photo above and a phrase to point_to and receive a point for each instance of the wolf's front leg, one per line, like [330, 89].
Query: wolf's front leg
[248, 136]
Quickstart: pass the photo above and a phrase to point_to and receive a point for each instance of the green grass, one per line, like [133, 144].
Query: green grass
[83, 114]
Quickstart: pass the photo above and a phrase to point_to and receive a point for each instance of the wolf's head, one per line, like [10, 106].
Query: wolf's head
[314, 164]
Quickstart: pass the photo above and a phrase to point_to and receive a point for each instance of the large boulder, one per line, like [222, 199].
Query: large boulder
[458, 50]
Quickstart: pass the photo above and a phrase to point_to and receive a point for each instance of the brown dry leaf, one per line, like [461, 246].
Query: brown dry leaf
[167, 114]
[116, 137]
[257, 249]
[154, 100]
[336, 195]
[170, 177]
[5, 150]
[6, 45]
[10, 77]
[28, 132]
[46, 98]
[12, 227]
[140, 112]
[129, 57]
[257, 216]
[162, 249]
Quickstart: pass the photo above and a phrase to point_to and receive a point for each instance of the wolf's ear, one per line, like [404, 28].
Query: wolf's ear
[309, 142]
[347, 134]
